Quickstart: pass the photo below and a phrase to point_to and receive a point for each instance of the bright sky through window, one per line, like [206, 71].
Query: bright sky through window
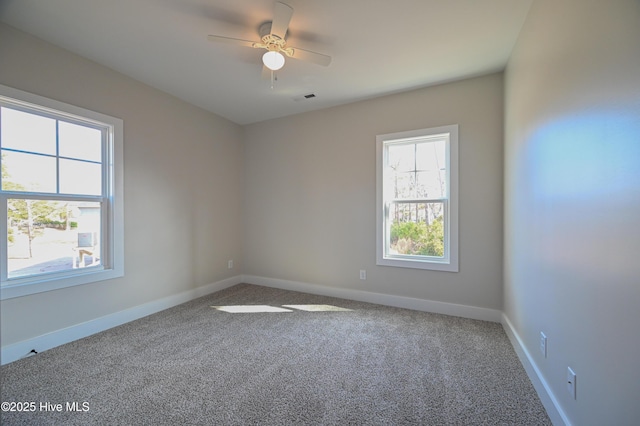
[60, 195]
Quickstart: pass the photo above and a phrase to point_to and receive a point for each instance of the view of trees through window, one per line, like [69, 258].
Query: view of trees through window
[44, 236]
[42, 157]
[416, 176]
[412, 233]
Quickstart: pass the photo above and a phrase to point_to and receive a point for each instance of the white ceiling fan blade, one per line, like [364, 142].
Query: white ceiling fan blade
[236, 41]
[309, 56]
[281, 18]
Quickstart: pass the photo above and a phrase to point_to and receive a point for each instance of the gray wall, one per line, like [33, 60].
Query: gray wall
[183, 182]
[572, 201]
[310, 193]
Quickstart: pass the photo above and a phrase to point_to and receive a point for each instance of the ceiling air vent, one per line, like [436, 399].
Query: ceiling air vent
[303, 97]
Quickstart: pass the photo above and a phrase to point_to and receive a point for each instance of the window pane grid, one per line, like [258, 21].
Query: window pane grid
[65, 174]
[20, 151]
[57, 157]
[416, 200]
[416, 170]
[53, 193]
[82, 150]
[416, 183]
[414, 222]
[52, 197]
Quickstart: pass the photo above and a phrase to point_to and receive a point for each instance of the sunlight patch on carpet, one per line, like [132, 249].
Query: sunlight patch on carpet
[318, 308]
[248, 309]
[243, 309]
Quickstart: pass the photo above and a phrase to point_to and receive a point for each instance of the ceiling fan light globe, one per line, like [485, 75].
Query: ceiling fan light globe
[273, 60]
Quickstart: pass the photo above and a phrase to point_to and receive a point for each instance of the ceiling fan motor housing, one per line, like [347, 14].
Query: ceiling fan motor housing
[273, 38]
[272, 42]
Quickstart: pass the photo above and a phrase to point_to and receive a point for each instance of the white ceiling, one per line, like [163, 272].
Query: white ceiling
[378, 46]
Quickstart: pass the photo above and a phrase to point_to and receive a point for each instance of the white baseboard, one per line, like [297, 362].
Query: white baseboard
[464, 311]
[549, 401]
[22, 349]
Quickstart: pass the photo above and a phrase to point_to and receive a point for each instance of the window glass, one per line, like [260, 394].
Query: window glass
[64, 224]
[52, 236]
[80, 177]
[28, 132]
[417, 199]
[80, 142]
[28, 172]
[416, 229]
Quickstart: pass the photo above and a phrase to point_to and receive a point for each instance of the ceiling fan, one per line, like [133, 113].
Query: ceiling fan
[273, 38]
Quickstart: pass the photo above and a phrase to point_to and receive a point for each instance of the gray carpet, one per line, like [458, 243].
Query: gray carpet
[195, 364]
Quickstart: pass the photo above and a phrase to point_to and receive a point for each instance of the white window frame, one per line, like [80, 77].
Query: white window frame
[449, 262]
[112, 240]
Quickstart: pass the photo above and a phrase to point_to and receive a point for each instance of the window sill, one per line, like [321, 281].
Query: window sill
[432, 265]
[33, 285]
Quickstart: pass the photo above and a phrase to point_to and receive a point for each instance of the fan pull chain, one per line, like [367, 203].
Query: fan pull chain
[274, 78]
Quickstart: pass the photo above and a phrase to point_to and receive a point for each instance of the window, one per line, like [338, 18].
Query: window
[417, 208]
[61, 212]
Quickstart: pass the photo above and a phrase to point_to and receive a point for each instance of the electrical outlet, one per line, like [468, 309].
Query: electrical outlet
[543, 344]
[230, 264]
[363, 274]
[571, 382]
